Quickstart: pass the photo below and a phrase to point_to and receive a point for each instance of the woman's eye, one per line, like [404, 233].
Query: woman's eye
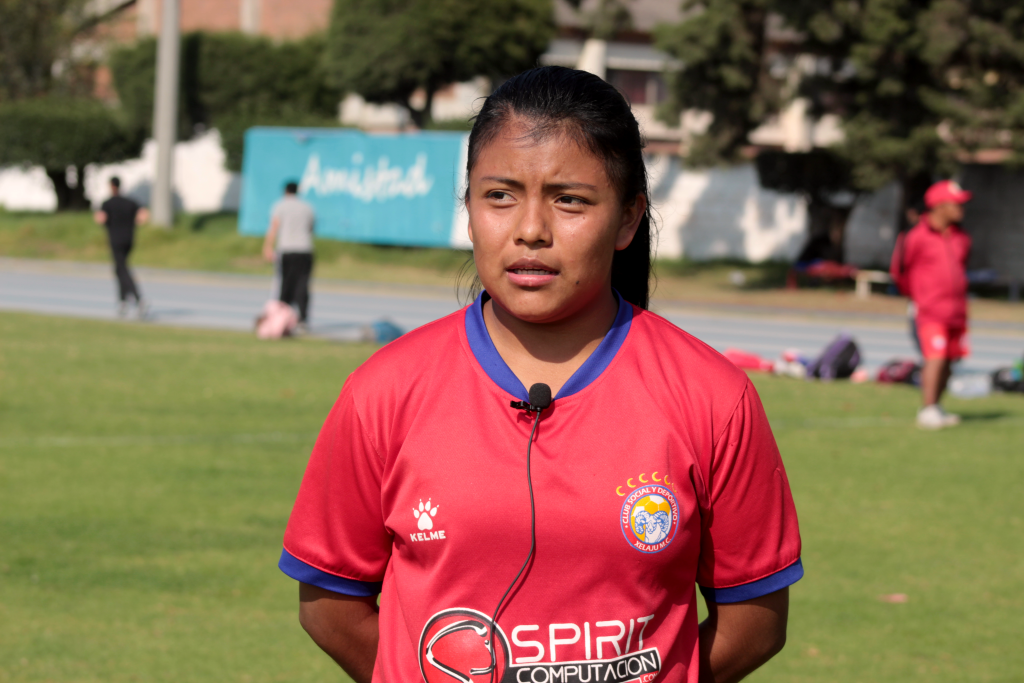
[499, 195]
[572, 201]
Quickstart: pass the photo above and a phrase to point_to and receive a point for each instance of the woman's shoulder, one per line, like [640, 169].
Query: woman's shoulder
[684, 361]
[410, 363]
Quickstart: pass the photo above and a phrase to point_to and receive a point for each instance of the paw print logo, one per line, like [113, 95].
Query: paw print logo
[424, 514]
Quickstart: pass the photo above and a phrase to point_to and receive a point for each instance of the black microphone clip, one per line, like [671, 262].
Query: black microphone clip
[540, 398]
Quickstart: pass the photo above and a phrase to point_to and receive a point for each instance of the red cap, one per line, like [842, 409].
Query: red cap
[945, 191]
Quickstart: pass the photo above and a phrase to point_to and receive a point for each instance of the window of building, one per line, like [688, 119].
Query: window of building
[639, 87]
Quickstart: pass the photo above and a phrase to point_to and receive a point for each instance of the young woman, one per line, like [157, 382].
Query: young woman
[652, 471]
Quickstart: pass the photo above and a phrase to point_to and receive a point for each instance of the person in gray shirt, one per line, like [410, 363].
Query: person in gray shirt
[290, 237]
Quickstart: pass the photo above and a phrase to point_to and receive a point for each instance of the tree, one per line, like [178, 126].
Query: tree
[232, 81]
[820, 176]
[720, 44]
[605, 18]
[45, 116]
[36, 41]
[917, 84]
[58, 133]
[33, 36]
[386, 50]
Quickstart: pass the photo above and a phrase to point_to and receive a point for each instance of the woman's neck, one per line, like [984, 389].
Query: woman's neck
[549, 352]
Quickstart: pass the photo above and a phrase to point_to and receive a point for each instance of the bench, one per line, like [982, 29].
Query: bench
[865, 278]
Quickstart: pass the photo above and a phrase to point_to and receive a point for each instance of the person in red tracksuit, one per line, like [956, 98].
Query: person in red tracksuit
[929, 265]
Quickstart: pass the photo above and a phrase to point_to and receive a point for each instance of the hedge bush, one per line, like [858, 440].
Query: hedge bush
[232, 81]
[56, 133]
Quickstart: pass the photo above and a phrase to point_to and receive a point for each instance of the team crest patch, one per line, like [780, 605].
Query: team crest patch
[650, 518]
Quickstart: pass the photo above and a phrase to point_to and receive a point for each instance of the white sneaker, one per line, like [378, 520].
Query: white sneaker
[141, 309]
[122, 309]
[931, 417]
[948, 419]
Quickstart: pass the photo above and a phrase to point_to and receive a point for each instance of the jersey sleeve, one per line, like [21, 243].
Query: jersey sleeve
[336, 538]
[750, 540]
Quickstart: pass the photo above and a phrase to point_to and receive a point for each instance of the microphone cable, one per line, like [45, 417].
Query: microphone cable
[533, 513]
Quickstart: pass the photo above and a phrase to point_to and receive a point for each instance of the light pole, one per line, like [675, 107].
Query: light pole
[165, 113]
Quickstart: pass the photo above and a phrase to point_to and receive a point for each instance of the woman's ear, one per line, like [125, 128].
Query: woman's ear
[632, 214]
[469, 220]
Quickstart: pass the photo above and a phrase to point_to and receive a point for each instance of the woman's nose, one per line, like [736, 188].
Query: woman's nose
[533, 227]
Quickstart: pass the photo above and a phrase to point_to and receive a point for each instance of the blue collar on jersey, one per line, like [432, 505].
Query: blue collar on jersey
[496, 368]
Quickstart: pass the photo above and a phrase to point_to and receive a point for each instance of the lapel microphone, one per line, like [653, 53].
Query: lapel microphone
[540, 399]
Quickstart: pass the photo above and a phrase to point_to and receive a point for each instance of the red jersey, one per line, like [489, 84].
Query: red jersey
[931, 268]
[653, 470]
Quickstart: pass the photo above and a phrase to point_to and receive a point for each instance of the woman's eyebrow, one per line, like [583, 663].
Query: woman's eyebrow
[569, 186]
[504, 181]
[549, 187]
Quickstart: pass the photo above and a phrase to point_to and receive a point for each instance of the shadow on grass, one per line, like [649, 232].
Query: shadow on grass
[985, 417]
[218, 221]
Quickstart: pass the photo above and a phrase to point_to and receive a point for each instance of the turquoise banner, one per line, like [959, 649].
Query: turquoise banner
[382, 189]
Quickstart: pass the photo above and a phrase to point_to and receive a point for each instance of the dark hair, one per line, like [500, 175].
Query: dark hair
[557, 100]
[291, 187]
[115, 181]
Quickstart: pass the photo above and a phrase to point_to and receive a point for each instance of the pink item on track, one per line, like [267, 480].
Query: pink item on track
[277, 320]
[748, 361]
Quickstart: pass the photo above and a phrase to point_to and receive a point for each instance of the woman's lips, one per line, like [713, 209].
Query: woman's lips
[530, 277]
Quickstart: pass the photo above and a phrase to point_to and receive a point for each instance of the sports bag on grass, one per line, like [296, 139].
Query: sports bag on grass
[1009, 379]
[838, 361]
[899, 371]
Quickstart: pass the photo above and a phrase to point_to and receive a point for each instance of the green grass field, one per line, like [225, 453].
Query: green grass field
[146, 475]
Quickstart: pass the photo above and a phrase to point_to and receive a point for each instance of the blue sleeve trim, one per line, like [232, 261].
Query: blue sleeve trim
[756, 589]
[300, 571]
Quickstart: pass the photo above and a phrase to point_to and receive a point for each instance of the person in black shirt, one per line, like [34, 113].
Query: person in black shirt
[120, 216]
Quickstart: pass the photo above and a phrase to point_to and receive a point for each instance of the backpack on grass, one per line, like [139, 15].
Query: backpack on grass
[899, 371]
[838, 361]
